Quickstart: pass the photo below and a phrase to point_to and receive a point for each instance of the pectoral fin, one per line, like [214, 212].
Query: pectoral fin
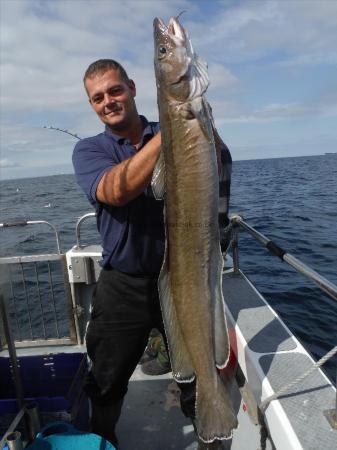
[199, 108]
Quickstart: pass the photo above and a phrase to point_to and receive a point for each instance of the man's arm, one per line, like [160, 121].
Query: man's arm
[128, 179]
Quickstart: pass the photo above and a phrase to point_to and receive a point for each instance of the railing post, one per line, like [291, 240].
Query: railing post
[235, 247]
[78, 224]
[14, 441]
[74, 327]
[334, 412]
[33, 413]
[12, 353]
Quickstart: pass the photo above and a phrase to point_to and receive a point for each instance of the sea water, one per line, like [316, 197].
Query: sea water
[293, 201]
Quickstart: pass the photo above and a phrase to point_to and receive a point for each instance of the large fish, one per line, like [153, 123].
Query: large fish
[186, 176]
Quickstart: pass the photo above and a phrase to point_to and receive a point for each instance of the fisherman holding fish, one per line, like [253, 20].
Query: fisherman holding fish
[115, 169]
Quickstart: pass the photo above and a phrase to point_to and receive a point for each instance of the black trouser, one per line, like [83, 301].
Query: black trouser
[124, 310]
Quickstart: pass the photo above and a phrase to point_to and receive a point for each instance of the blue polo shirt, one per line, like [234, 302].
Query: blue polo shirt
[132, 235]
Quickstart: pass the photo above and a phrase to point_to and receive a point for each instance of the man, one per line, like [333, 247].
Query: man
[114, 169]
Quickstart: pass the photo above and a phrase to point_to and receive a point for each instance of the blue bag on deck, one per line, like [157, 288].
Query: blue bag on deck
[64, 436]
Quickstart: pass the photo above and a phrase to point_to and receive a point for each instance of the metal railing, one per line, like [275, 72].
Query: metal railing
[37, 296]
[30, 416]
[78, 227]
[23, 223]
[324, 284]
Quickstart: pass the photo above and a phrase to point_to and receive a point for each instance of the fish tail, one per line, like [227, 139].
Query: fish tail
[215, 417]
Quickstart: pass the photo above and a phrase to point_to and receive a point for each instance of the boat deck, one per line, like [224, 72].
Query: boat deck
[268, 355]
[152, 420]
[270, 358]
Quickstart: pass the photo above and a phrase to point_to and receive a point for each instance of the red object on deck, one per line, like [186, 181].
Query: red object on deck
[232, 362]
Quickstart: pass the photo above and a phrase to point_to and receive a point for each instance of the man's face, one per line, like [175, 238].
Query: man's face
[112, 98]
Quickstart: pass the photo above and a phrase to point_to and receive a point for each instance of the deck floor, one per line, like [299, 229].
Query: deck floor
[152, 420]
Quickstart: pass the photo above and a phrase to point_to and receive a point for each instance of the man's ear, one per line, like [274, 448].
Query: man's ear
[132, 87]
[86, 90]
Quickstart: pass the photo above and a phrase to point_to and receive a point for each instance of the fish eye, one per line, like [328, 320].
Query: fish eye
[162, 51]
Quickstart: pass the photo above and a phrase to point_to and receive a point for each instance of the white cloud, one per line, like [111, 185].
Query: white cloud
[301, 31]
[47, 45]
[44, 58]
[26, 149]
[270, 113]
[221, 78]
[7, 163]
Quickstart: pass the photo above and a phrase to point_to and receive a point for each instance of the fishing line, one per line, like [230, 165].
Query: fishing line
[182, 12]
[50, 127]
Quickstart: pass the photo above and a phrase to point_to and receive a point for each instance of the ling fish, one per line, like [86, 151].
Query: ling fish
[190, 282]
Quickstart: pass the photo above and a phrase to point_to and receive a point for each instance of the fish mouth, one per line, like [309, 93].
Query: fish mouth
[174, 29]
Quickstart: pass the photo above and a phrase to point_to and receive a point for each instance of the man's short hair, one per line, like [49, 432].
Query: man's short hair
[103, 65]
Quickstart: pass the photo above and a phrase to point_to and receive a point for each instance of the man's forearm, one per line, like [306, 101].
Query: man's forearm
[128, 179]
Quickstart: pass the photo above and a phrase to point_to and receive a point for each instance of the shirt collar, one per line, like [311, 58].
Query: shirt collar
[147, 132]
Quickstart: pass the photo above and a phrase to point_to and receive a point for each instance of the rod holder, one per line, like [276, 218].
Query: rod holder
[14, 441]
[34, 419]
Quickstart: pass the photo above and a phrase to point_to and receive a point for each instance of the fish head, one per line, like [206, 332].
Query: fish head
[180, 74]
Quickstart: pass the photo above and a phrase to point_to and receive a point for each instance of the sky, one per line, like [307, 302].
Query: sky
[272, 68]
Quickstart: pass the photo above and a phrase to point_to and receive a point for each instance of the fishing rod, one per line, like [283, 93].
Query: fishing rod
[62, 131]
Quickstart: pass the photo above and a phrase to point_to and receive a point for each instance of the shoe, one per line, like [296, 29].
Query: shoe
[154, 345]
[149, 354]
[155, 367]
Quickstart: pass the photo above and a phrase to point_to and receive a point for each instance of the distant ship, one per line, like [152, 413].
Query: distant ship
[330, 153]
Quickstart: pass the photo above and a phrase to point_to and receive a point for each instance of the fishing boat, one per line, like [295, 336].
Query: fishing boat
[281, 395]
